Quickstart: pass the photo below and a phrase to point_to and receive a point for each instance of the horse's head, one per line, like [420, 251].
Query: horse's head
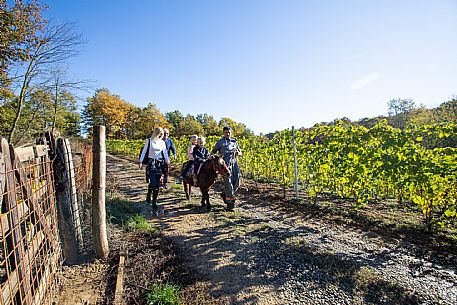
[219, 165]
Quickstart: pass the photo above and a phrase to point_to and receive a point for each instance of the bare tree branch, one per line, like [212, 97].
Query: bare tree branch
[57, 44]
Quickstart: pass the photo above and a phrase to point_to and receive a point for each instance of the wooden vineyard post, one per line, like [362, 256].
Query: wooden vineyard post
[98, 193]
[295, 164]
[67, 203]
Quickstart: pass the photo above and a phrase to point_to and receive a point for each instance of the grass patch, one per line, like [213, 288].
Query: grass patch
[119, 211]
[365, 277]
[138, 223]
[163, 294]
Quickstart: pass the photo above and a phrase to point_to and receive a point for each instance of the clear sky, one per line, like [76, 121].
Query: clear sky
[268, 64]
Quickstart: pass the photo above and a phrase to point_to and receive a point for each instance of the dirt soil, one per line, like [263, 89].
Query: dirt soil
[268, 251]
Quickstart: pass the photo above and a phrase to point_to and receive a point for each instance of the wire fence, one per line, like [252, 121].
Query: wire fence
[30, 221]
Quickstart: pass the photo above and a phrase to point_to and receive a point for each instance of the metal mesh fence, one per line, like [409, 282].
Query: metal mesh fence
[30, 245]
[82, 162]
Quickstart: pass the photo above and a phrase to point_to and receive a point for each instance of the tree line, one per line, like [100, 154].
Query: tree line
[124, 120]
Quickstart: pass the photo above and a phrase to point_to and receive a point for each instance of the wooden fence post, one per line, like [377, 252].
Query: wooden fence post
[98, 193]
[295, 164]
[15, 241]
[67, 204]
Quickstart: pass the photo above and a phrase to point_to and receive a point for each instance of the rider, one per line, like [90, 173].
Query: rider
[229, 149]
[200, 154]
[154, 149]
[188, 164]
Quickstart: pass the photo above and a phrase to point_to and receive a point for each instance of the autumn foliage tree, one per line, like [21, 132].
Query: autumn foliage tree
[121, 119]
[150, 117]
[107, 109]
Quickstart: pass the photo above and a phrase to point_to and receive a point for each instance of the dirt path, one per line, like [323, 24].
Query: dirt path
[264, 253]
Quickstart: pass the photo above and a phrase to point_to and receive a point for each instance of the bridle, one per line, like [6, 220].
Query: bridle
[213, 161]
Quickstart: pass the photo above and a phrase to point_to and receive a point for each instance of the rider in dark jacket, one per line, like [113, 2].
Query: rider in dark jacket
[200, 154]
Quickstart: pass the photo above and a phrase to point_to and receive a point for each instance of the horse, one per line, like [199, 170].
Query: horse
[206, 176]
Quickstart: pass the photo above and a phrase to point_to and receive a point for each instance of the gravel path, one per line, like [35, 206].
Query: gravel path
[265, 254]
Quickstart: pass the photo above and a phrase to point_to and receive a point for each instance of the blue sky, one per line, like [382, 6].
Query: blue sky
[268, 64]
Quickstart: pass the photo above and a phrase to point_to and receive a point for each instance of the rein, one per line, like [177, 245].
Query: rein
[212, 165]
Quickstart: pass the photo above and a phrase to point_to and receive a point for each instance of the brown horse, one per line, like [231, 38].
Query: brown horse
[207, 175]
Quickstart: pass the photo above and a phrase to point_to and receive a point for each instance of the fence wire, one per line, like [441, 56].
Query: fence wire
[30, 245]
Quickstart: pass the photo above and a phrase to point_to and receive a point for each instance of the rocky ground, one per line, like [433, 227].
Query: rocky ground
[270, 252]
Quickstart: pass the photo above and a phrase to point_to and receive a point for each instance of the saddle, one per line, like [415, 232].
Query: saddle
[190, 173]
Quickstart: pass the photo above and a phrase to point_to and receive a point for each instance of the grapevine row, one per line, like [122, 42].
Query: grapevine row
[350, 161]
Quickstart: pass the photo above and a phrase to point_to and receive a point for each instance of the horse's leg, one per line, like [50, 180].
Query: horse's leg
[186, 190]
[202, 191]
[205, 198]
[190, 189]
[208, 205]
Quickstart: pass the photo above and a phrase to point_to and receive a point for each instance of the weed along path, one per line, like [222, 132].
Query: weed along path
[269, 252]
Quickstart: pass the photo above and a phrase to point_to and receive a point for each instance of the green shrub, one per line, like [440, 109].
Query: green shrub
[139, 223]
[163, 294]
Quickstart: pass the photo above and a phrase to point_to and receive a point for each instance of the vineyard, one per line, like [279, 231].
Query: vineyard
[364, 165]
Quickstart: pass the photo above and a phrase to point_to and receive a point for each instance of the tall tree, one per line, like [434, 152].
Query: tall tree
[106, 109]
[61, 86]
[20, 25]
[150, 118]
[238, 129]
[246, 132]
[174, 118]
[56, 45]
[189, 126]
[209, 124]
[38, 114]
[134, 118]
[399, 110]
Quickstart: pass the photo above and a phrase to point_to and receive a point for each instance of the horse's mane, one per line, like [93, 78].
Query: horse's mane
[210, 159]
